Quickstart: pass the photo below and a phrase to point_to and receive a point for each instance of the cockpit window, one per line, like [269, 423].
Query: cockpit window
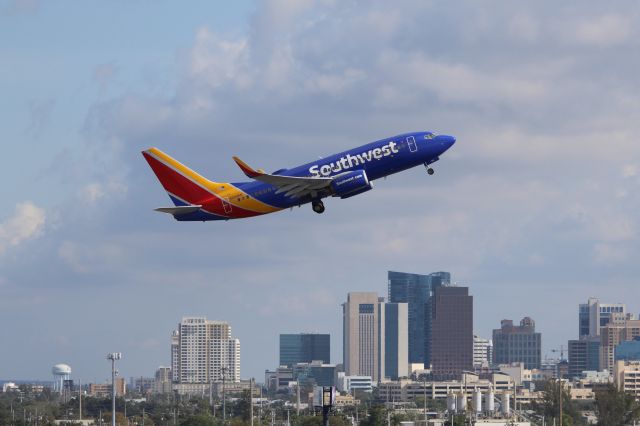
[429, 136]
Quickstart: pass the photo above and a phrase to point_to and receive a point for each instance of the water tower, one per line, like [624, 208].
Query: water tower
[61, 372]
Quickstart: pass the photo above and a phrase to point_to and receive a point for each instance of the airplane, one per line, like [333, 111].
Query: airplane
[342, 175]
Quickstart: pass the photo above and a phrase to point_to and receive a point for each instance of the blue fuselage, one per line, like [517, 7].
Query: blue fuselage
[378, 159]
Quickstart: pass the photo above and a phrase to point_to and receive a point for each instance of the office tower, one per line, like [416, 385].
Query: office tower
[449, 349]
[482, 352]
[205, 352]
[584, 355]
[593, 315]
[393, 341]
[304, 347]
[611, 336]
[517, 343]
[360, 335]
[415, 289]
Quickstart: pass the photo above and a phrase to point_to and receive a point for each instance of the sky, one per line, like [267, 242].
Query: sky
[534, 208]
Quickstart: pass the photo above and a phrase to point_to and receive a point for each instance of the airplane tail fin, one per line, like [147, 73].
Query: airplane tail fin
[184, 186]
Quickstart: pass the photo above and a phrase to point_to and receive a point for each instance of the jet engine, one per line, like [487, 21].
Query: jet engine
[350, 183]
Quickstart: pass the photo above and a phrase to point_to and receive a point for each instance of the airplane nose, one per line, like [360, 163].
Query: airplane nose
[446, 141]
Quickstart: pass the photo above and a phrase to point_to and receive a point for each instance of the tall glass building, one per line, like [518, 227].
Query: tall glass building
[584, 355]
[449, 349]
[416, 289]
[297, 348]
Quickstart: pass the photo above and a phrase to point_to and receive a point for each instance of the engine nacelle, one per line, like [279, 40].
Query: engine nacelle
[350, 183]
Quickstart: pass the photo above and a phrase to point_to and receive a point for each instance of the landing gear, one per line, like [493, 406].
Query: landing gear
[317, 206]
[429, 169]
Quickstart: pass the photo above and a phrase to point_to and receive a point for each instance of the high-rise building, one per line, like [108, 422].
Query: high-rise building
[584, 355]
[517, 343]
[393, 348]
[360, 334]
[611, 336]
[449, 349]
[304, 348]
[175, 356]
[593, 315]
[415, 290]
[482, 352]
[205, 352]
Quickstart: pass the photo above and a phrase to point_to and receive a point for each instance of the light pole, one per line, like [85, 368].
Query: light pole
[251, 400]
[113, 357]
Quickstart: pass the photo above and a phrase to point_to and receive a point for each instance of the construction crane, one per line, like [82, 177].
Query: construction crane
[561, 350]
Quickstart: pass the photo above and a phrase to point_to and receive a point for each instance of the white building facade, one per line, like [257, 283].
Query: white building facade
[203, 352]
[482, 352]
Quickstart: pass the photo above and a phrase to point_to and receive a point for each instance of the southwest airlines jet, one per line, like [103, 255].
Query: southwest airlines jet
[343, 175]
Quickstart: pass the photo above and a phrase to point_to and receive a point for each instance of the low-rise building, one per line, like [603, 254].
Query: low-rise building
[347, 384]
[516, 371]
[235, 388]
[9, 387]
[278, 379]
[408, 390]
[103, 390]
[346, 400]
[626, 376]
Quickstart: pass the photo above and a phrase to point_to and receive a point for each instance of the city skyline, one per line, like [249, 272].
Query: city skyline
[532, 209]
[551, 353]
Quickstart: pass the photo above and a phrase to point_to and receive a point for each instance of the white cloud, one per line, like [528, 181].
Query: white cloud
[104, 74]
[524, 27]
[609, 254]
[96, 191]
[19, 7]
[26, 223]
[219, 62]
[630, 170]
[85, 258]
[604, 31]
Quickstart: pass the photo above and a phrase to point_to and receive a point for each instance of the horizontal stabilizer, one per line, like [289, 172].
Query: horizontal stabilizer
[178, 210]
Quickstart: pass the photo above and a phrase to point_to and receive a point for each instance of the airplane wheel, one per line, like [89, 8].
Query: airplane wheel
[317, 206]
[430, 171]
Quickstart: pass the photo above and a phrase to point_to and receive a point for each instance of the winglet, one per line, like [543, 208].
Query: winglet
[247, 170]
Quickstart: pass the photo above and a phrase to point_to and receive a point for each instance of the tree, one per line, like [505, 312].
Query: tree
[121, 420]
[199, 420]
[549, 406]
[616, 408]
[377, 417]
[242, 407]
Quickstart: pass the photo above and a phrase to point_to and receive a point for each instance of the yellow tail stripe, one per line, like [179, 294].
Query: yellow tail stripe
[225, 190]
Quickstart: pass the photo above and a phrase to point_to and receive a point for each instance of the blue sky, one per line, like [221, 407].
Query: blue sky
[533, 208]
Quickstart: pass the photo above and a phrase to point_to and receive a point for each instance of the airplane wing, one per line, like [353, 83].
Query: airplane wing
[292, 186]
